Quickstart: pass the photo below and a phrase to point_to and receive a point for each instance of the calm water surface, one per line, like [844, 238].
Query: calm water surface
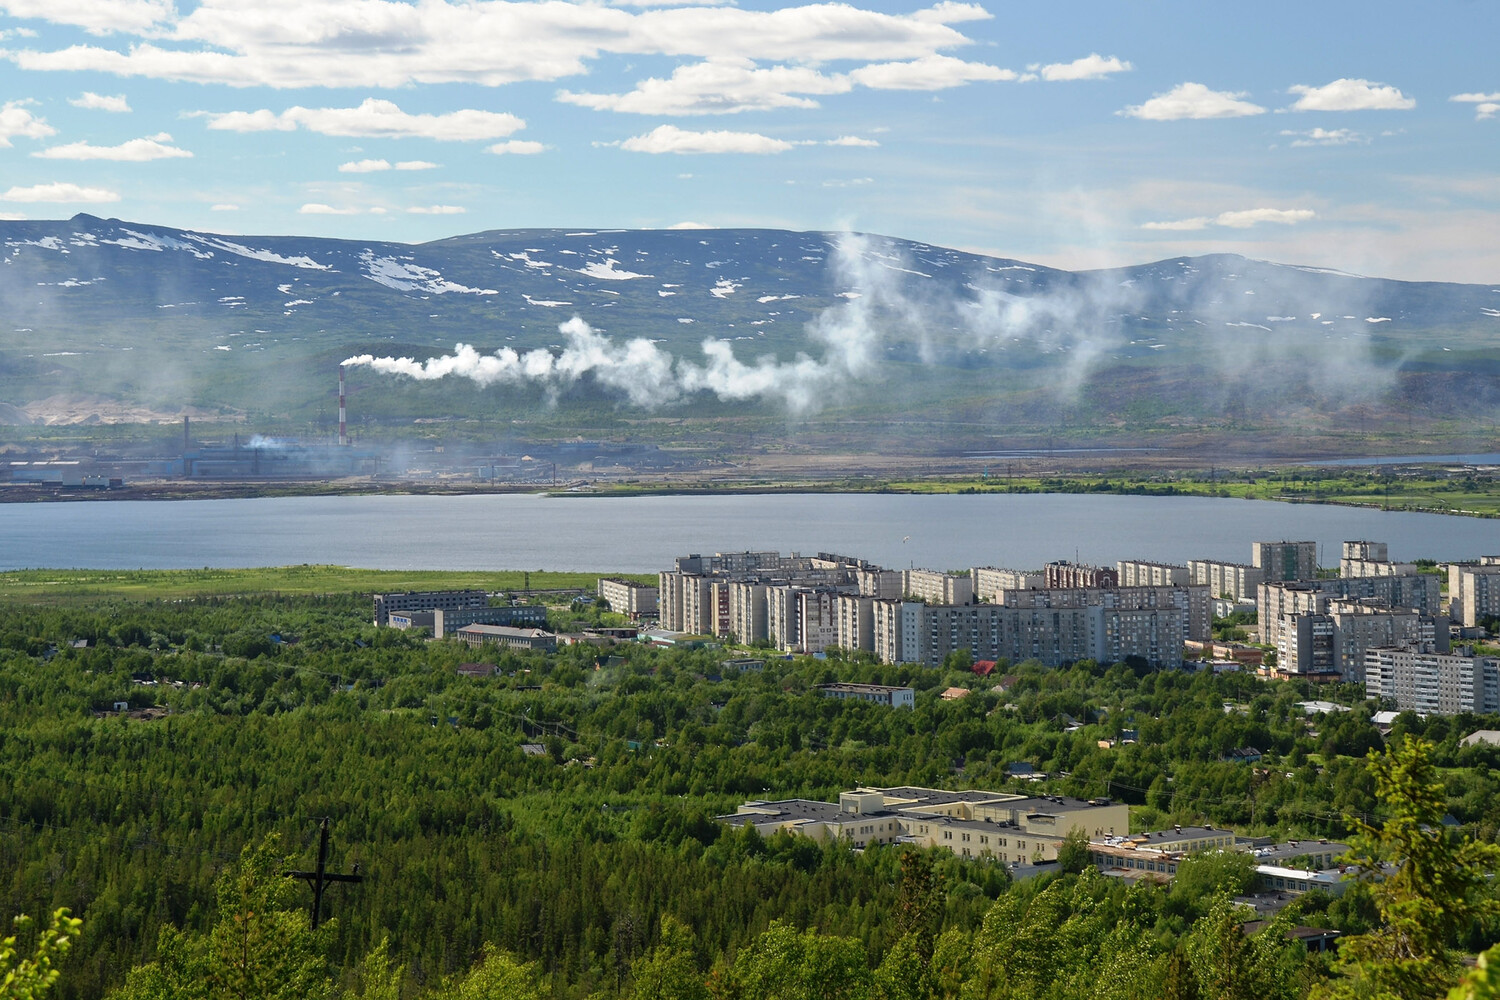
[642, 534]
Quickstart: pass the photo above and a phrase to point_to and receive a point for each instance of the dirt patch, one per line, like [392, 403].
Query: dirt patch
[76, 408]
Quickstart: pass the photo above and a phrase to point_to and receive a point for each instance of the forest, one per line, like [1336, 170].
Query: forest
[547, 829]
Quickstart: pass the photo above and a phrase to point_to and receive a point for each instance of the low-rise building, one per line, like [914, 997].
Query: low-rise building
[879, 694]
[511, 638]
[427, 600]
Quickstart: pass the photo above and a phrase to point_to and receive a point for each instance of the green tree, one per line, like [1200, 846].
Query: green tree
[1073, 852]
[30, 978]
[668, 971]
[262, 946]
[1427, 884]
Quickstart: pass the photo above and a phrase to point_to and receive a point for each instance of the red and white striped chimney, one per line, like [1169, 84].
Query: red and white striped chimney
[343, 426]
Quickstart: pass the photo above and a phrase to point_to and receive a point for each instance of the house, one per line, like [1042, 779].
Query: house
[1242, 755]
[954, 694]
[475, 670]
[1490, 736]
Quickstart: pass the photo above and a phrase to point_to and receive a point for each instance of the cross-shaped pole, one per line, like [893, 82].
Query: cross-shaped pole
[320, 878]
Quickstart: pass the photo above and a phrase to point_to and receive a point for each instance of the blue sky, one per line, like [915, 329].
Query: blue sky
[1359, 136]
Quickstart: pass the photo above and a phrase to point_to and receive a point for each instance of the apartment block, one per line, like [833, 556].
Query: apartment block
[1430, 682]
[1135, 573]
[856, 622]
[877, 694]
[1285, 560]
[635, 600]
[938, 588]
[990, 580]
[1223, 579]
[1474, 591]
[747, 611]
[1063, 575]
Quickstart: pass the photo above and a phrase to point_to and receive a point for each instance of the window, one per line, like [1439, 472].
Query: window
[947, 834]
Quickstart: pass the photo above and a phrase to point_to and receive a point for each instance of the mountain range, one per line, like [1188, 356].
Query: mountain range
[610, 331]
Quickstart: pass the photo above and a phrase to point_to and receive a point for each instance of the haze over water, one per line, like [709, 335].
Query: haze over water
[643, 534]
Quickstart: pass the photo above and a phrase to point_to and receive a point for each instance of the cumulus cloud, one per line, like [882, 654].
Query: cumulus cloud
[1326, 137]
[1485, 105]
[16, 120]
[437, 210]
[1242, 219]
[154, 147]
[364, 166]
[318, 208]
[97, 17]
[852, 140]
[224, 206]
[516, 147]
[1193, 100]
[336, 43]
[416, 165]
[374, 117]
[60, 191]
[718, 87]
[1091, 67]
[671, 139]
[100, 102]
[933, 72]
[1350, 95]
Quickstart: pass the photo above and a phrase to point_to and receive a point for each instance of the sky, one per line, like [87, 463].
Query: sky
[1358, 136]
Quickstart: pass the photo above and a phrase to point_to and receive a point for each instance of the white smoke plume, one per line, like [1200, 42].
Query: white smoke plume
[649, 376]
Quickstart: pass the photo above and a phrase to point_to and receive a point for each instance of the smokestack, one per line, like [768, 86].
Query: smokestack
[343, 427]
[187, 440]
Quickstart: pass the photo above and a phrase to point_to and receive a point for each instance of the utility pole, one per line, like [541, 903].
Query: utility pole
[320, 878]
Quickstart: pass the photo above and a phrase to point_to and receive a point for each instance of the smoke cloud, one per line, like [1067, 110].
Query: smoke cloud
[1060, 327]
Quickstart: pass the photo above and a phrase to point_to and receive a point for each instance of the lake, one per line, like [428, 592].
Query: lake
[642, 534]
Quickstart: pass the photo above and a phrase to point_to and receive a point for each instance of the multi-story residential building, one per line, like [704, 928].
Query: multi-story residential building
[1193, 601]
[1330, 637]
[1054, 633]
[1063, 575]
[1474, 591]
[937, 588]
[856, 621]
[629, 598]
[1430, 682]
[817, 620]
[1285, 560]
[747, 611]
[990, 580]
[1224, 579]
[1277, 601]
[1363, 551]
[1137, 573]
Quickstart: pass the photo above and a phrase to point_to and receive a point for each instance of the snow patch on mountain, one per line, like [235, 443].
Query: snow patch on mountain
[270, 257]
[609, 271]
[393, 273]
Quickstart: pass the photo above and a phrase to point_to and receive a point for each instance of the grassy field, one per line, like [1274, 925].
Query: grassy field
[1472, 496]
[64, 586]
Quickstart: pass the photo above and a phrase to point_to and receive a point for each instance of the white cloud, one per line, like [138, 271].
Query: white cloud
[1350, 95]
[851, 140]
[16, 120]
[851, 182]
[416, 165]
[100, 102]
[363, 166]
[224, 207]
[437, 210]
[1091, 67]
[932, 72]
[60, 191]
[516, 147]
[1485, 104]
[718, 87]
[1192, 100]
[155, 147]
[373, 117]
[688, 225]
[1326, 137]
[671, 139]
[1242, 219]
[97, 17]
[318, 208]
[387, 44]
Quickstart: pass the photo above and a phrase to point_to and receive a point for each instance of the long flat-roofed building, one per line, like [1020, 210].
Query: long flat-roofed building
[427, 600]
[628, 597]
